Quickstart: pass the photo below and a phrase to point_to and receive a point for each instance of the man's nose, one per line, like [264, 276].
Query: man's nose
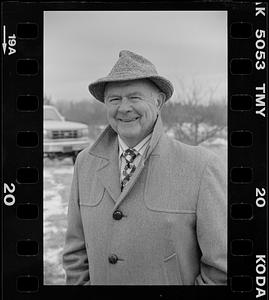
[125, 106]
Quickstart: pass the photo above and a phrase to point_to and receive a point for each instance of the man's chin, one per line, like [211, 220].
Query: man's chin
[129, 132]
[131, 139]
[127, 136]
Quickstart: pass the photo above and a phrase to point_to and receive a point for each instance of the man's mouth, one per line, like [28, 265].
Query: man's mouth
[128, 120]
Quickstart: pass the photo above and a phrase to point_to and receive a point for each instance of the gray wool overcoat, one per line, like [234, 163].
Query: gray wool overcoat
[174, 225]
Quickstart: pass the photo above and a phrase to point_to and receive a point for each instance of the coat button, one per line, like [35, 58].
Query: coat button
[117, 215]
[113, 258]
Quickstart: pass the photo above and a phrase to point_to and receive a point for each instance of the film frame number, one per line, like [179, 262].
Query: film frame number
[9, 198]
[12, 43]
[260, 197]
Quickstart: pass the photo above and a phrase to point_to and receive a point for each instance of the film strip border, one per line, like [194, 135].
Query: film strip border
[22, 157]
[247, 153]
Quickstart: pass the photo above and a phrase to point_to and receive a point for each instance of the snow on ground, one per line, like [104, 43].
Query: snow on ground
[216, 141]
[57, 182]
[53, 204]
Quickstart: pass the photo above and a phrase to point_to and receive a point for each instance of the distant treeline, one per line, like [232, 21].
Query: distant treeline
[188, 121]
[85, 111]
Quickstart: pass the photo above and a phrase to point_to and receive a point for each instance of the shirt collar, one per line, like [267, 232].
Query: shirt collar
[140, 147]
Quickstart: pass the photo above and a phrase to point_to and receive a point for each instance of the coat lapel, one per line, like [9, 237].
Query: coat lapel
[106, 148]
[109, 175]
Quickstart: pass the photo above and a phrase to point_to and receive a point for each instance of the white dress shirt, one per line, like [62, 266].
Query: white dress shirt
[140, 148]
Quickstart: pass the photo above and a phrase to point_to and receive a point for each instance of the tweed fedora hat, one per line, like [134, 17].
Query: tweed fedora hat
[131, 66]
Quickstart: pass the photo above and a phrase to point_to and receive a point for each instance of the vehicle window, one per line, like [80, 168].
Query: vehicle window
[51, 114]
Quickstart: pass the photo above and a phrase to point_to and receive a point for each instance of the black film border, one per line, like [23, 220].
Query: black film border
[22, 157]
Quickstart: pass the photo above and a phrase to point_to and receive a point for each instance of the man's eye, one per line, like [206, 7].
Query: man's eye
[135, 98]
[114, 99]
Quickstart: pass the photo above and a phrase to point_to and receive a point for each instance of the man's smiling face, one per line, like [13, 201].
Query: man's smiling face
[132, 108]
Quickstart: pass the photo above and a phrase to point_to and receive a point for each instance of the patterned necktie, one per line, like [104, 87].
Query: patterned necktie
[129, 156]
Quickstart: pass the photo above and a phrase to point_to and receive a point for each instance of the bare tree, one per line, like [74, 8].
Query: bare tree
[196, 116]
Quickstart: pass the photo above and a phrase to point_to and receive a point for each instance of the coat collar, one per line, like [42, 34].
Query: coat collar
[158, 131]
[106, 148]
[102, 147]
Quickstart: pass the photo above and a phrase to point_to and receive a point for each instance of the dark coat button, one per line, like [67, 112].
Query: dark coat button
[117, 215]
[113, 258]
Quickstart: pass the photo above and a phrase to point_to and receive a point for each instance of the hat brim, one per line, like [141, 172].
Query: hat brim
[97, 88]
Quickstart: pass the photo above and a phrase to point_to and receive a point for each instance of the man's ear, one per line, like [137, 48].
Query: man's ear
[160, 100]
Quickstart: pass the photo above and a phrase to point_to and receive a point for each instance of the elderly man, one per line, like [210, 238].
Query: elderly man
[144, 209]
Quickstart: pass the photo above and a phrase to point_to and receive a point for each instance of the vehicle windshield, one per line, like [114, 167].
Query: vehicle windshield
[51, 114]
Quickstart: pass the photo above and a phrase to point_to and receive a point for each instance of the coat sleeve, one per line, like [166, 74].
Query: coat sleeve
[75, 260]
[211, 224]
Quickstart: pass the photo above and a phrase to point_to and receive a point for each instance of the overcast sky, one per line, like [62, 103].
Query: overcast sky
[82, 46]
